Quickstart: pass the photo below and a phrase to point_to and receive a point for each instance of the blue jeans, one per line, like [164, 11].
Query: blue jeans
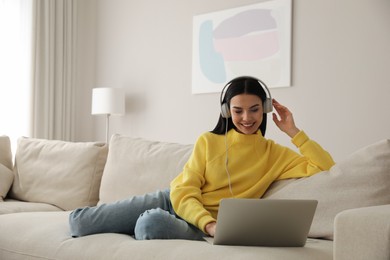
[150, 216]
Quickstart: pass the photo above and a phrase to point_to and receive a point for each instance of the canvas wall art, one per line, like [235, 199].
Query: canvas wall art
[252, 40]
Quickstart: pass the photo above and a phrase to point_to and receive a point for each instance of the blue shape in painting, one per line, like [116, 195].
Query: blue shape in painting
[211, 62]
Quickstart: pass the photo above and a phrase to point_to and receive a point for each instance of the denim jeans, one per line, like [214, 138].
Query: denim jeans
[149, 216]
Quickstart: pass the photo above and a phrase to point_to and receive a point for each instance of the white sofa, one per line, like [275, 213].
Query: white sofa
[50, 178]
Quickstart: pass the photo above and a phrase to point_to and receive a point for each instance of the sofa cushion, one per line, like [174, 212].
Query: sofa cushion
[45, 235]
[361, 180]
[15, 206]
[6, 175]
[65, 174]
[136, 166]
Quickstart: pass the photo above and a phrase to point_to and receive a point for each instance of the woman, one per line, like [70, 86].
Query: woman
[233, 160]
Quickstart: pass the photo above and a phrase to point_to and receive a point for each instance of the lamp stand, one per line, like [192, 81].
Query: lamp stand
[107, 127]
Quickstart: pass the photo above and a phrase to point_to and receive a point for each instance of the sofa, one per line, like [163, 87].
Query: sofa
[46, 179]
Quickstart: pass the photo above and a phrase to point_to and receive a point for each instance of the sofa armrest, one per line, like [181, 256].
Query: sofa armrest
[363, 233]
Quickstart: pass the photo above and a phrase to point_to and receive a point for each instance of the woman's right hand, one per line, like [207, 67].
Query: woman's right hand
[210, 228]
[286, 121]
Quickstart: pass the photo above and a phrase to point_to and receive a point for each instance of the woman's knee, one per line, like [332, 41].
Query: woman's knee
[153, 224]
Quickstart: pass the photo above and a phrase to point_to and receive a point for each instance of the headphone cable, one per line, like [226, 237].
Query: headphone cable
[226, 160]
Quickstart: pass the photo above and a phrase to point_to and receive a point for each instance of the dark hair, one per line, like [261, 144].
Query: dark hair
[240, 85]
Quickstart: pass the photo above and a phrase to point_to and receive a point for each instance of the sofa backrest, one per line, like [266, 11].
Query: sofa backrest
[136, 166]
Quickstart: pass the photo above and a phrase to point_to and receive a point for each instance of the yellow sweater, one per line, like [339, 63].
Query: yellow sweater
[253, 164]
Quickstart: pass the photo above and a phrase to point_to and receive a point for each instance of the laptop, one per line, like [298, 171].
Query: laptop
[264, 222]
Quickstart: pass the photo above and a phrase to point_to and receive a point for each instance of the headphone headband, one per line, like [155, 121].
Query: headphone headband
[267, 103]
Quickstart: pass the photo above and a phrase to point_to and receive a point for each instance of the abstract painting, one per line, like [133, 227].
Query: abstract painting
[253, 40]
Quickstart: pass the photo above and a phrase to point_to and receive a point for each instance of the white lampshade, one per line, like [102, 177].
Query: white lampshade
[108, 101]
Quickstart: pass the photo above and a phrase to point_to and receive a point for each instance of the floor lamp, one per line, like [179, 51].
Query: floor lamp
[108, 101]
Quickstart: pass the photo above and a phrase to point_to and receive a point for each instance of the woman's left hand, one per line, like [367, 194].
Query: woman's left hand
[210, 228]
[286, 122]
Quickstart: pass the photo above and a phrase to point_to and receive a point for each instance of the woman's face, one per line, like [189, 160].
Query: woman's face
[247, 113]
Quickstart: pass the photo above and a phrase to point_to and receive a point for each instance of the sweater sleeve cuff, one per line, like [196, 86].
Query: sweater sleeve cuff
[300, 138]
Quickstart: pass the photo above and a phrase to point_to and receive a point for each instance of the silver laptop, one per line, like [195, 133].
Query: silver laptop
[264, 222]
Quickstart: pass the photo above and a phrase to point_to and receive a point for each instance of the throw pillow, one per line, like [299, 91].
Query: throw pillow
[361, 180]
[6, 175]
[65, 174]
[5, 152]
[136, 166]
[6, 179]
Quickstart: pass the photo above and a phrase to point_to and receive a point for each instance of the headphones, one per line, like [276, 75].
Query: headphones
[267, 104]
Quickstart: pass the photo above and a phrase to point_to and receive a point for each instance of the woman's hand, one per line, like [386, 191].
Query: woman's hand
[210, 228]
[286, 121]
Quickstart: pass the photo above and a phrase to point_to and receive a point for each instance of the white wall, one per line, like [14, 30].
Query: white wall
[340, 71]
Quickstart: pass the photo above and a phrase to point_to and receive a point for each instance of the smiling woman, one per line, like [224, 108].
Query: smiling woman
[15, 67]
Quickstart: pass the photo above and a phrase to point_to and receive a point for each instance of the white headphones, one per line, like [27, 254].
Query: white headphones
[267, 104]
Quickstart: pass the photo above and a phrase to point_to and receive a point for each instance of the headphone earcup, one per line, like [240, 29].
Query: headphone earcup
[267, 105]
[225, 112]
